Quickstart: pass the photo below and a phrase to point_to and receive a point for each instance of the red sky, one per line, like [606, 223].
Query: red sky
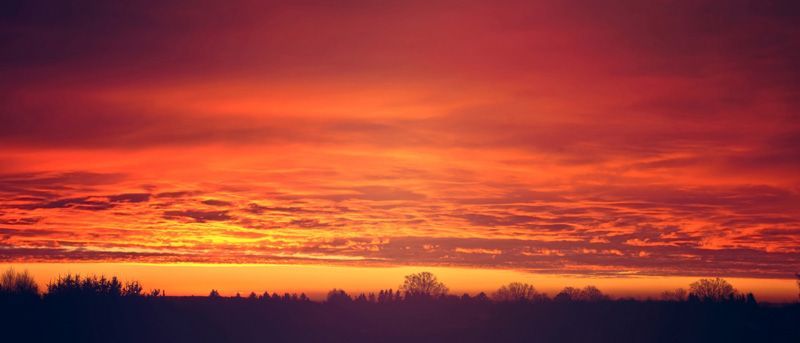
[632, 139]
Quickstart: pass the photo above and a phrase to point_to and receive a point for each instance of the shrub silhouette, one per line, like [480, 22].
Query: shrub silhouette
[15, 283]
[423, 285]
[713, 290]
[517, 291]
[213, 294]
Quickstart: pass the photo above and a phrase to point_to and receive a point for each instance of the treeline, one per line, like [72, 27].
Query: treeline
[416, 287]
[22, 284]
[73, 308]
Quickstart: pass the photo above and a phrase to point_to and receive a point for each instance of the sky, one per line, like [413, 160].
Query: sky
[610, 143]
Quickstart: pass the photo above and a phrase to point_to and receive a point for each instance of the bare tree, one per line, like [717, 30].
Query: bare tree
[423, 285]
[517, 291]
[592, 293]
[14, 283]
[568, 294]
[679, 294]
[712, 290]
[588, 293]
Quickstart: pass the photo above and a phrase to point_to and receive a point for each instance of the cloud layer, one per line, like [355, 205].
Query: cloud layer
[573, 138]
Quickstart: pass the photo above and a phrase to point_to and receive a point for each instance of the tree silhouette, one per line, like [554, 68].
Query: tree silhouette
[679, 294]
[18, 284]
[388, 296]
[568, 294]
[103, 307]
[361, 298]
[481, 298]
[338, 297]
[750, 299]
[423, 285]
[588, 293]
[714, 290]
[132, 289]
[517, 291]
[91, 286]
[591, 293]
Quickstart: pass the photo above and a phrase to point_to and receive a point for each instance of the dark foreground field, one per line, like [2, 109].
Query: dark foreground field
[204, 319]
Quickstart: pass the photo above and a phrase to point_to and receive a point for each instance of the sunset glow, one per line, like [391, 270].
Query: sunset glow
[303, 146]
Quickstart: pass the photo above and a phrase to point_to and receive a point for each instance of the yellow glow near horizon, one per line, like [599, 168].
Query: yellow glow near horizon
[315, 280]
